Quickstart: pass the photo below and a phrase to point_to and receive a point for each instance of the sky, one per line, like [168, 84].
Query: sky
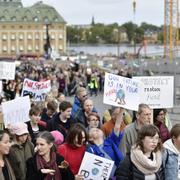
[107, 11]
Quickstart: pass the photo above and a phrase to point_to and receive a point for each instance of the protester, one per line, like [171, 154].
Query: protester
[82, 113]
[62, 121]
[34, 125]
[74, 148]
[171, 155]
[109, 147]
[80, 97]
[46, 164]
[21, 150]
[143, 116]
[6, 170]
[93, 121]
[145, 159]
[108, 126]
[159, 121]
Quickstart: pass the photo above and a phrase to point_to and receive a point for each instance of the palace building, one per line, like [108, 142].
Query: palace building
[28, 30]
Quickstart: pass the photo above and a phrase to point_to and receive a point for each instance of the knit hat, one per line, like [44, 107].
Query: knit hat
[19, 129]
[59, 138]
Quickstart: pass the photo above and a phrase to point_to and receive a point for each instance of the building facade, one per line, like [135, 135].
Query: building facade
[23, 30]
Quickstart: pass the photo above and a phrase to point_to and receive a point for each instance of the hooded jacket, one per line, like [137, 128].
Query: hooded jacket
[171, 161]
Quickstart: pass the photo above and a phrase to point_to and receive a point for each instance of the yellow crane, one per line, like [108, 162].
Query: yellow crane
[171, 28]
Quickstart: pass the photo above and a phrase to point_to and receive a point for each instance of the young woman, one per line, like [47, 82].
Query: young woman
[74, 148]
[6, 171]
[171, 155]
[145, 159]
[21, 150]
[46, 164]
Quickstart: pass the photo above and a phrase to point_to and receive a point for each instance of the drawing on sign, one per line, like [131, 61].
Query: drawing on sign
[120, 97]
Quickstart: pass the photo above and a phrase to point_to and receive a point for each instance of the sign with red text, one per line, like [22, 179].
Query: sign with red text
[37, 90]
[157, 91]
[95, 167]
[121, 91]
[16, 110]
[7, 70]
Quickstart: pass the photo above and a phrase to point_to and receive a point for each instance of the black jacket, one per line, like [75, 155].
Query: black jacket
[128, 171]
[34, 174]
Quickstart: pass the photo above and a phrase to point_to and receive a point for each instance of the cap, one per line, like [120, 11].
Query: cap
[59, 138]
[19, 128]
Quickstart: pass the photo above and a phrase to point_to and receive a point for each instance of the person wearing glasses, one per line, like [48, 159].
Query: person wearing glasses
[145, 158]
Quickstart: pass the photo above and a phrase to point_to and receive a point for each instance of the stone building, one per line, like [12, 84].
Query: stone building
[24, 30]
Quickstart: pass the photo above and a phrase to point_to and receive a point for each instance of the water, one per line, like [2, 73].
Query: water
[113, 49]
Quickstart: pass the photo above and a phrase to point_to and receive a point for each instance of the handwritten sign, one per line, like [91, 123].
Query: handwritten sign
[157, 91]
[95, 167]
[16, 110]
[121, 91]
[37, 90]
[7, 70]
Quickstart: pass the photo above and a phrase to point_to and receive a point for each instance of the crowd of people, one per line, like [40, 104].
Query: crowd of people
[51, 144]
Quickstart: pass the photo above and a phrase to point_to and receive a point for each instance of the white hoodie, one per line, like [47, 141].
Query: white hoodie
[170, 146]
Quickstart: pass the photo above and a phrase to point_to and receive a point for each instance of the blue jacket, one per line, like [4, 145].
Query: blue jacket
[170, 160]
[111, 147]
[76, 105]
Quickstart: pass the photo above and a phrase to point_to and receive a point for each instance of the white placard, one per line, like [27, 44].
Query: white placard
[16, 110]
[157, 91]
[37, 90]
[95, 167]
[121, 91]
[7, 70]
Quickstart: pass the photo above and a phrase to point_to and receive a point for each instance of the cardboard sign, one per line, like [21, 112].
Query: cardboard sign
[37, 90]
[157, 91]
[16, 110]
[7, 70]
[121, 91]
[95, 167]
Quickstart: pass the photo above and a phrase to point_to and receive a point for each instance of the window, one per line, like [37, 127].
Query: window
[4, 37]
[36, 19]
[29, 48]
[21, 37]
[37, 48]
[4, 48]
[12, 48]
[29, 36]
[52, 36]
[36, 36]
[21, 48]
[13, 37]
[60, 47]
[60, 36]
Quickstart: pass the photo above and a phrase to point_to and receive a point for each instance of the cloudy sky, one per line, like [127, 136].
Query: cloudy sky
[107, 11]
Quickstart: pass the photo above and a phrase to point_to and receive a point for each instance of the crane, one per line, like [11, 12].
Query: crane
[171, 28]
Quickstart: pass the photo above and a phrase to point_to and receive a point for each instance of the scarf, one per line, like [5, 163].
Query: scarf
[42, 164]
[143, 163]
[10, 171]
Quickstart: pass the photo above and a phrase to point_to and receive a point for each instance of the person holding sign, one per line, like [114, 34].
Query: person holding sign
[144, 162]
[46, 164]
[109, 147]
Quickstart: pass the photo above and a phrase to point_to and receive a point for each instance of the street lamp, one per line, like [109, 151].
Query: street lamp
[47, 45]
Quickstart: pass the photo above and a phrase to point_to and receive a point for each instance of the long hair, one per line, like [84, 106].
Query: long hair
[148, 130]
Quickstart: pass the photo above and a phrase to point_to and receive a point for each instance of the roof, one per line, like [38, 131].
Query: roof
[38, 13]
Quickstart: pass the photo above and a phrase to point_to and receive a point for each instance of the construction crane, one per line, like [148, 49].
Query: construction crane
[171, 28]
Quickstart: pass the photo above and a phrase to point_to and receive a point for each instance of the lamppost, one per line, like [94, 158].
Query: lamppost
[47, 45]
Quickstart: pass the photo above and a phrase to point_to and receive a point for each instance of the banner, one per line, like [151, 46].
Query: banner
[157, 91]
[95, 167]
[7, 70]
[37, 90]
[16, 110]
[121, 91]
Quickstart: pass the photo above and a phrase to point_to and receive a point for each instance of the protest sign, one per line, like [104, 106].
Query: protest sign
[95, 167]
[121, 91]
[157, 91]
[16, 110]
[7, 70]
[37, 90]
